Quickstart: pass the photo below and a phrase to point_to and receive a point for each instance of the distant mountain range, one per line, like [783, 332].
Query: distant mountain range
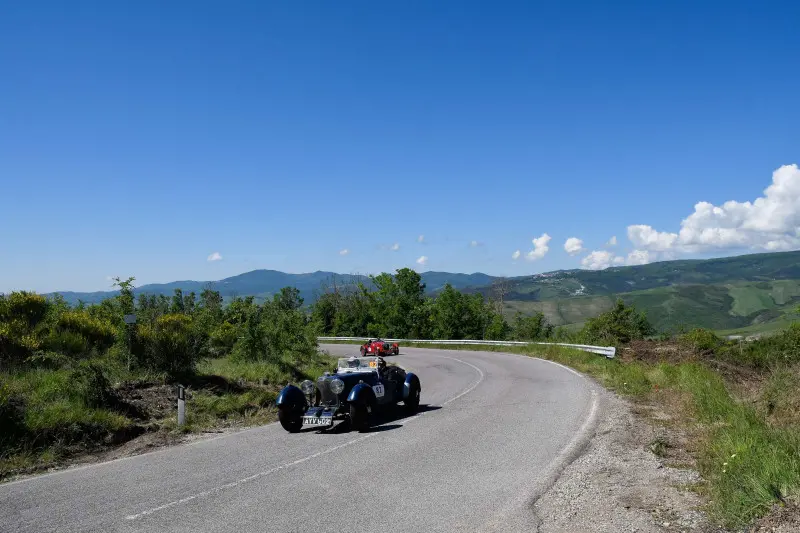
[263, 284]
[753, 292]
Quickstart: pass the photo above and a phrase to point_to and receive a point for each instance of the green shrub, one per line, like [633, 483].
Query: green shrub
[701, 339]
[223, 338]
[619, 325]
[17, 342]
[91, 385]
[12, 420]
[531, 328]
[99, 334]
[169, 345]
[776, 350]
[67, 342]
[28, 307]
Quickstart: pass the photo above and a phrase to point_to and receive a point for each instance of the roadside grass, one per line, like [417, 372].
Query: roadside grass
[749, 448]
[48, 416]
[44, 415]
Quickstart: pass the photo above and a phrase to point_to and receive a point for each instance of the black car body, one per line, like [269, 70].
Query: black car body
[359, 387]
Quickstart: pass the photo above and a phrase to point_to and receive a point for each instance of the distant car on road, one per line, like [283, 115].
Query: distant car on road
[360, 387]
[379, 347]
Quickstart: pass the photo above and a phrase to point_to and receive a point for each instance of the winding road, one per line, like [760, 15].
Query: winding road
[493, 432]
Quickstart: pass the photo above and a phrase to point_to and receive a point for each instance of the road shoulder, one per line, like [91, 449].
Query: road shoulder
[619, 484]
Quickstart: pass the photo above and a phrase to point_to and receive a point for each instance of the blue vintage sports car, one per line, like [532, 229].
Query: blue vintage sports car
[359, 387]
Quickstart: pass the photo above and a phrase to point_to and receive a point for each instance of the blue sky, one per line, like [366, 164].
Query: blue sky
[140, 138]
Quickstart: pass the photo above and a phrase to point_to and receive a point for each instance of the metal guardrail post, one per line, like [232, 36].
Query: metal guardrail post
[181, 405]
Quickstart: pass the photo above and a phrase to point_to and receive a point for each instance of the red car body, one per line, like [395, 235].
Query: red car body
[379, 347]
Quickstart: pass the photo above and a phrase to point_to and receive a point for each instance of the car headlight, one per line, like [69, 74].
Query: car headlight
[307, 386]
[337, 385]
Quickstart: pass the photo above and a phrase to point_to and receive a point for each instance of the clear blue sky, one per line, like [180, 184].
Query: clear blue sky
[138, 138]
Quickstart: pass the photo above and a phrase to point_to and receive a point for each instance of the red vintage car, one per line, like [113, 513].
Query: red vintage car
[379, 347]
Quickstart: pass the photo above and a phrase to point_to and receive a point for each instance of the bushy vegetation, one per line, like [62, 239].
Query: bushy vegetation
[59, 365]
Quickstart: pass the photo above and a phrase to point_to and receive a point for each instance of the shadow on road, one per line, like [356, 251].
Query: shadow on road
[381, 421]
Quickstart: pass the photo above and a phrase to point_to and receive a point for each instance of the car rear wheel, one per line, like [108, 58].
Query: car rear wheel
[359, 416]
[292, 421]
[412, 402]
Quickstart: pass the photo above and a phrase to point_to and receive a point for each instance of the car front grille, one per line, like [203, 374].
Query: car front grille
[327, 397]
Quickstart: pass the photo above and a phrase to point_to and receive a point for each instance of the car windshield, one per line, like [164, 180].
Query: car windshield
[357, 364]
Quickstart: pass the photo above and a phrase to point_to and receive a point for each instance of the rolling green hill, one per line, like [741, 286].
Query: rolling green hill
[750, 306]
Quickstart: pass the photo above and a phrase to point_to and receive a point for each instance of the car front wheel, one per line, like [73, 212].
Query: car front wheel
[359, 416]
[412, 402]
[291, 421]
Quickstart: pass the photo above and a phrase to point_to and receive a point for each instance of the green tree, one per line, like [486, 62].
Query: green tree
[125, 297]
[619, 325]
[177, 302]
[531, 328]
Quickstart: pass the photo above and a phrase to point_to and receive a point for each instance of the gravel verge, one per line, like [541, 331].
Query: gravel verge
[619, 484]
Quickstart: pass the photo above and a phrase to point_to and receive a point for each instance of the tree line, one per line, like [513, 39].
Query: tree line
[172, 333]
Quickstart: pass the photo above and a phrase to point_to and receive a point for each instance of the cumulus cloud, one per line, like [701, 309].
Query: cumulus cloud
[540, 248]
[395, 247]
[473, 244]
[771, 222]
[422, 260]
[612, 241]
[573, 246]
[344, 252]
[421, 238]
[640, 257]
[600, 259]
[516, 255]
[215, 257]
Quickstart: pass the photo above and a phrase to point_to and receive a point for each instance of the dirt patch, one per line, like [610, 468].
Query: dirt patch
[781, 519]
[651, 351]
[146, 401]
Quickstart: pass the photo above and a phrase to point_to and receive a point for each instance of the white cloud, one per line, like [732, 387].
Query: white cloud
[600, 259]
[612, 241]
[540, 248]
[473, 244]
[516, 255]
[573, 246]
[640, 257]
[771, 222]
[215, 257]
[344, 252]
[422, 260]
[395, 247]
[421, 238]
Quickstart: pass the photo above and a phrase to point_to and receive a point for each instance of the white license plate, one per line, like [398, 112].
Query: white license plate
[318, 421]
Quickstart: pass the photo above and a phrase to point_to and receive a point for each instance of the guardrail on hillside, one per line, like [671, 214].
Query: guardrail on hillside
[609, 351]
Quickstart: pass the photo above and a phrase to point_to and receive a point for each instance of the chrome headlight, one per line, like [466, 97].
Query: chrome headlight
[337, 385]
[307, 386]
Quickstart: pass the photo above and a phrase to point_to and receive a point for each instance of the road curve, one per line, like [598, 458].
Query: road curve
[493, 432]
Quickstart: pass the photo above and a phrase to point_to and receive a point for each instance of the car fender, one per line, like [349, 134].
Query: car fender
[362, 393]
[411, 378]
[292, 398]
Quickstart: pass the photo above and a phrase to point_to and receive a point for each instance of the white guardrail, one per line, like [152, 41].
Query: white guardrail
[609, 351]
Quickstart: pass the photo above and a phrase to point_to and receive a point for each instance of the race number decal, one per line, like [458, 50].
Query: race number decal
[373, 364]
[378, 390]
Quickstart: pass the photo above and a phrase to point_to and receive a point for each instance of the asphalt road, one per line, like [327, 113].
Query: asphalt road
[493, 432]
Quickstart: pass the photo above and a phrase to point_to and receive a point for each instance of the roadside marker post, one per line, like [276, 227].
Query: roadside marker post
[181, 405]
